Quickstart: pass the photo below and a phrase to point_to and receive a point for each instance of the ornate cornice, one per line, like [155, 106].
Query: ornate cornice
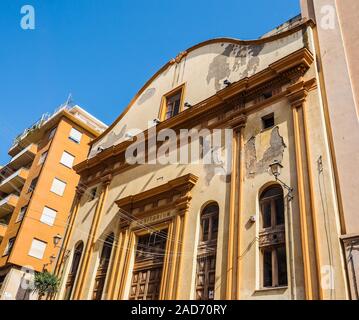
[182, 184]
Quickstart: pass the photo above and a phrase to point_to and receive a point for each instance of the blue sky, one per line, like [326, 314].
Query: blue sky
[103, 51]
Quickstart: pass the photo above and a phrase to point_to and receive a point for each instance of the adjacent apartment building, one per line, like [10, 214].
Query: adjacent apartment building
[262, 219]
[37, 188]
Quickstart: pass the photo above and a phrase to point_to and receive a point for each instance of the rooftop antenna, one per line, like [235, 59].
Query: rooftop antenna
[69, 102]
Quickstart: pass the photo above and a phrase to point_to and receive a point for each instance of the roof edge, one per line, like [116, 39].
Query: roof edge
[305, 23]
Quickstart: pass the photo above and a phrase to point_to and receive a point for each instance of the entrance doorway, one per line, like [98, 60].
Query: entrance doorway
[147, 272]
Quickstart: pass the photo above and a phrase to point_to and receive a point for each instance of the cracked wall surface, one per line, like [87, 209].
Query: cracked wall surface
[261, 150]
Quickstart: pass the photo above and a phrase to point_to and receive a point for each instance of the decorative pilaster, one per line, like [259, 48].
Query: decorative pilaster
[173, 257]
[233, 277]
[127, 251]
[164, 282]
[78, 293]
[79, 193]
[174, 249]
[297, 94]
[114, 265]
[184, 207]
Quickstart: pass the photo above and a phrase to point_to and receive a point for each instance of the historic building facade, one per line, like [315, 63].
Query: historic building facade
[260, 221]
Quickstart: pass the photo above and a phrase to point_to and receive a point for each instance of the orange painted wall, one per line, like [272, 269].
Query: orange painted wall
[31, 227]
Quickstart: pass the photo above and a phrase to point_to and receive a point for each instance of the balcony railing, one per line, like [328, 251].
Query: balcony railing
[14, 182]
[38, 124]
[8, 204]
[24, 157]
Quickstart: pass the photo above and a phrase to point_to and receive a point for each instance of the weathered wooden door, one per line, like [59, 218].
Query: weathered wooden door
[147, 273]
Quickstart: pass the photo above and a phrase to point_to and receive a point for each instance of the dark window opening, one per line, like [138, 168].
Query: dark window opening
[206, 258]
[268, 95]
[93, 194]
[32, 185]
[274, 267]
[173, 104]
[267, 268]
[266, 214]
[282, 266]
[268, 121]
[272, 238]
[9, 246]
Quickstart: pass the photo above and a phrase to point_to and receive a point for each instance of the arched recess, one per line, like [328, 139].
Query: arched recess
[74, 269]
[272, 242]
[207, 249]
[103, 268]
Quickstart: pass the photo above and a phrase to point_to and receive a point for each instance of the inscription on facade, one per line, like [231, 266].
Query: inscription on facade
[158, 217]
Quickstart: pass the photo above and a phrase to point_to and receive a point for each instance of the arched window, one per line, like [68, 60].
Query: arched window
[102, 268]
[73, 271]
[272, 238]
[206, 258]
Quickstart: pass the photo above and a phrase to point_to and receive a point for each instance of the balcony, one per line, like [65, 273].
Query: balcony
[29, 136]
[8, 204]
[14, 182]
[24, 157]
[3, 228]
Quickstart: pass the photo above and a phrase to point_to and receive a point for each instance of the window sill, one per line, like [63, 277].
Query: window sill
[74, 140]
[59, 195]
[262, 290]
[64, 165]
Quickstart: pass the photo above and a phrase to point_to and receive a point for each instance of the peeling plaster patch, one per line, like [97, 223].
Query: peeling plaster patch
[211, 171]
[219, 67]
[147, 95]
[251, 157]
[254, 60]
[217, 166]
[243, 56]
[274, 151]
[111, 139]
[240, 54]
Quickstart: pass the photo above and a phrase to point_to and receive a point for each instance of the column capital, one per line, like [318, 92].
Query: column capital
[106, 180]
[298, 92]
[124, 222]
[80, 190]
[183, 203]
[238, 122]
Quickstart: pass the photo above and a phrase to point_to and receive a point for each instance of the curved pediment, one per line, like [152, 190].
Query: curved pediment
[201, 71]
